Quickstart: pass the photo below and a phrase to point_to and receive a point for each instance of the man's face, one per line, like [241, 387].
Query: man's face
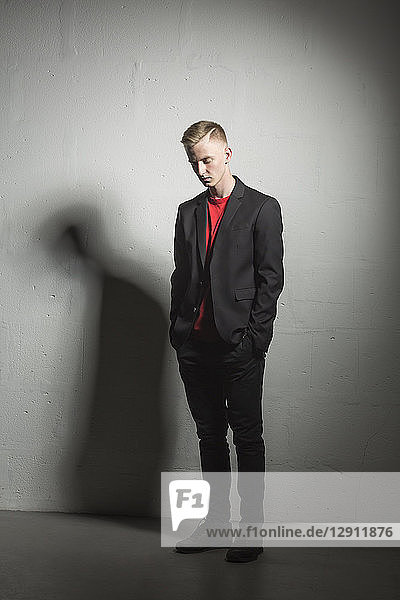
[210, 160]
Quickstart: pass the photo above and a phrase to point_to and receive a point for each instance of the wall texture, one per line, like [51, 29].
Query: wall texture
[95, 96]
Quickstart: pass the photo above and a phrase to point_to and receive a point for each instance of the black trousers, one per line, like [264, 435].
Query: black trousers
[223, 385]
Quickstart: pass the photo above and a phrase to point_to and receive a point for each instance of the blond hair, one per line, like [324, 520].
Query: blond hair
[197, 131]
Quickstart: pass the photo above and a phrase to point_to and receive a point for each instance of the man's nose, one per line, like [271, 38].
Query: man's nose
[201, 168]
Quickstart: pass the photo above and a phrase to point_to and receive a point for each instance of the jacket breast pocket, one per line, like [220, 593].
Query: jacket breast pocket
[245, 293]
[241, 227]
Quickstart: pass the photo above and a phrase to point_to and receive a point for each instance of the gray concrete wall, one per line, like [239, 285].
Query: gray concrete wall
[95, 96]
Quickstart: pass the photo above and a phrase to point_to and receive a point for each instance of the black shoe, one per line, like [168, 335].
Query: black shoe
[243, 554]
[192, 549]
[197, 540]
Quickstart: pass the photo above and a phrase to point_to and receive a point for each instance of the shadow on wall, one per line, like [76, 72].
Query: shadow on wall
[118, 438]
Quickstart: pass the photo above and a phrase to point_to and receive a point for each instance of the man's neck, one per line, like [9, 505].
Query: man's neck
[224, 187]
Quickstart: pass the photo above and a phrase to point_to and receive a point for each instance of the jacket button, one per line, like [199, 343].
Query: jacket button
[195, 308]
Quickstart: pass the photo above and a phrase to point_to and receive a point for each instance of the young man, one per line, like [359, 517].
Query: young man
[228, 276]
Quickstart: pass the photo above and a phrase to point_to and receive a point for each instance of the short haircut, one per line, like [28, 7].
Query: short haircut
[197, 131]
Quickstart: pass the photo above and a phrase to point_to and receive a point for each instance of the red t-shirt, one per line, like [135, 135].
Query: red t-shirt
[204, 326]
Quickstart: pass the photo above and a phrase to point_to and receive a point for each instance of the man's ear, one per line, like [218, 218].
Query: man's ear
[228, 154]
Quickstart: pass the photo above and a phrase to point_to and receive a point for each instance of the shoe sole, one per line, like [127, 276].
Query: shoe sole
[194, 550]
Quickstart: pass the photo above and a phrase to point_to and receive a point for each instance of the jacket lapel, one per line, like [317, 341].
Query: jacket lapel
[234, 202]
[201, 215]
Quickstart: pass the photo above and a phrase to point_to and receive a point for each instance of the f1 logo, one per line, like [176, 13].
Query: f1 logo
[189, 499]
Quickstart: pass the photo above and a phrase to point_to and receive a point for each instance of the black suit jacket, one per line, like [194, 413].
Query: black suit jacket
[245, 271]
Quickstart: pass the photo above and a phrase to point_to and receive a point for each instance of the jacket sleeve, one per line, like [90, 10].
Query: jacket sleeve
[179, 277]
[269, 273]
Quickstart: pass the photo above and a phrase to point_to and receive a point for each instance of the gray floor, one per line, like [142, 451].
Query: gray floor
[53, 556]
